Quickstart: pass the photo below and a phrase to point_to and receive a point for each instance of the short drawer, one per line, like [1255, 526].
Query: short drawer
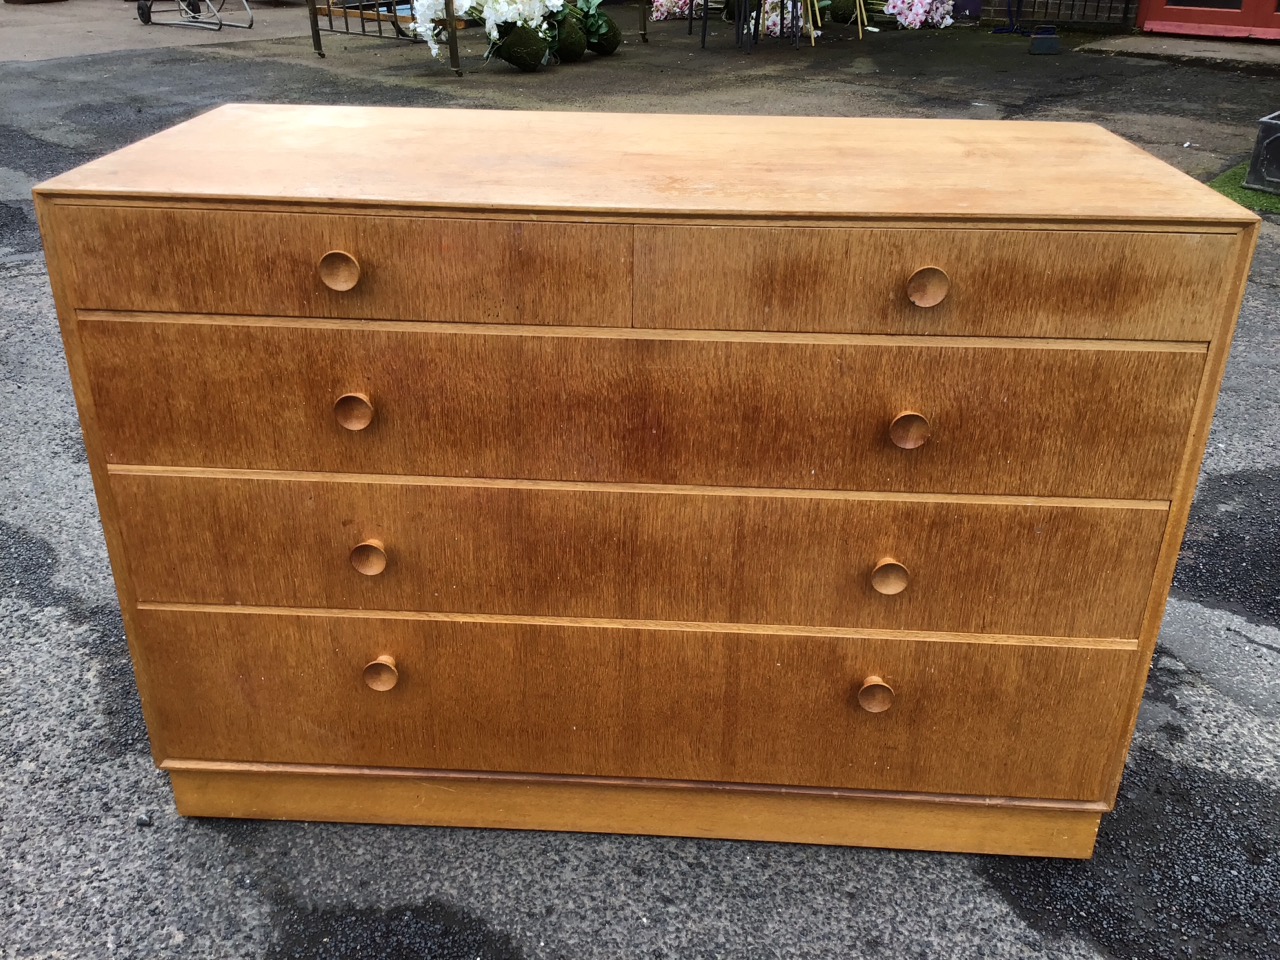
[1019, 283]
[933, 417]
[175, 259]
[882, 714]
[968, 567]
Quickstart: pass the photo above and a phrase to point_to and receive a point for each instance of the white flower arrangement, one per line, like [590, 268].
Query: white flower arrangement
[522, 13]
[674, 9]
[914, 14]
[495, 13]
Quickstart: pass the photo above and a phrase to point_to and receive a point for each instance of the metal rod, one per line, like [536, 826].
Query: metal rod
[455, 60]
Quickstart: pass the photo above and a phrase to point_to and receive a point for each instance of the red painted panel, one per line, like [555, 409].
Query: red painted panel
[1256, 18]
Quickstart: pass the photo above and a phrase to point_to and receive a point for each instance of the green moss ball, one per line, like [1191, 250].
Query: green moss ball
[609, 42]
[573, 41]
[523, 49]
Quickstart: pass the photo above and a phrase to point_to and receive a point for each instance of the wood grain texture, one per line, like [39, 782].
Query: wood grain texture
[270, 792]
[65, 304]
[1234, 284]
[1022, 721]
[1051, 570]
[1004, 420]
[670, 165]
[1162, 286]
[476, 271]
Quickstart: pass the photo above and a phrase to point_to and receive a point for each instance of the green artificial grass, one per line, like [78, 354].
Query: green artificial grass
[1231, 184]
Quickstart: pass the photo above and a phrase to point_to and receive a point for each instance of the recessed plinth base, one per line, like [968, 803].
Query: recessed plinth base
[654, 807]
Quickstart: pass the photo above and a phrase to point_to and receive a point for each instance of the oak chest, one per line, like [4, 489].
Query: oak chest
[708, 476]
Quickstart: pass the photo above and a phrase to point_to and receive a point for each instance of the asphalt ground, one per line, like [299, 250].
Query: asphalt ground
[97, 863]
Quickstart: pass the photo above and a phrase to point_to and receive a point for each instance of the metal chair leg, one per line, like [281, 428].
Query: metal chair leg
[315, 28]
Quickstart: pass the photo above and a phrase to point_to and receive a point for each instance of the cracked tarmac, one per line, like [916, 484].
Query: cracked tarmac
[97, 864]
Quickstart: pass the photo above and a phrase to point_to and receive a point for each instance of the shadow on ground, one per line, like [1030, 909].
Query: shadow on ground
[1231, 554]
[1188, 864]
[27, 567]
[418, 932]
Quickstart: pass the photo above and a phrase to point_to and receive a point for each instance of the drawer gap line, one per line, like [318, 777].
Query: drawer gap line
[579, 486]
[648, 333]
[682, 626]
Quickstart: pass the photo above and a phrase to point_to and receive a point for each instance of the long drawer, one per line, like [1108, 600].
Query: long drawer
[331, 265]
[969, 718]
[987, 418]
[971, 567]
[1064, 284]
[1049, 283]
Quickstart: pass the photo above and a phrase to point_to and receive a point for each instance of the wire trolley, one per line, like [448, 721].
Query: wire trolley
[203, 14]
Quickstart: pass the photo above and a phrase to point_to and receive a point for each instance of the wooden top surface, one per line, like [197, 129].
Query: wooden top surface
[657, 165]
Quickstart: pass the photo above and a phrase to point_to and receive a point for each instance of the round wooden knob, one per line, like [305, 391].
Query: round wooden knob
[381, 674]
[369, 558]
[889, 577]
[875, 696]
[353, 410]
[928, 286]
[339, 270]
[909, 430]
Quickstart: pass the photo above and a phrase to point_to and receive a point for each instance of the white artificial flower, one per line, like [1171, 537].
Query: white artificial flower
[494, 13]
[425, 15]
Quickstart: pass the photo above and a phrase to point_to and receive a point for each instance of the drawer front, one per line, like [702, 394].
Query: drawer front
[409, 268]
[1158, 286]
[967, 718]
[997, 419]
[970, 567]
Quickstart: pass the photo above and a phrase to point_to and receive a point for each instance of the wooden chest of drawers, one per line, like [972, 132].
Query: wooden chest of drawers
[707, 476]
